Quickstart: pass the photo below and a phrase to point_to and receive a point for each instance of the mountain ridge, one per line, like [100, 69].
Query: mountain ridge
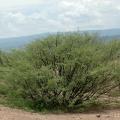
[18, 42]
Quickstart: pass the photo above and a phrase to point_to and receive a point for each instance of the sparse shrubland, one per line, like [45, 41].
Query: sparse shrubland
[64, 71]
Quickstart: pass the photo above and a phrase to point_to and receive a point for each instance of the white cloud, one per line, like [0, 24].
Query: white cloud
[6, 4]
[23, 17]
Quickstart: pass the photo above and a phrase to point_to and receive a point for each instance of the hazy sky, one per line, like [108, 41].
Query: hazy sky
[26, 17]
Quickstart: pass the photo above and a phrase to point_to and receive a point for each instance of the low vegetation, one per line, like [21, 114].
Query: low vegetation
[60, 72]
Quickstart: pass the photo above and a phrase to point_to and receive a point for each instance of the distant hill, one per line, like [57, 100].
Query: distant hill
[18, 42]
[107, 32]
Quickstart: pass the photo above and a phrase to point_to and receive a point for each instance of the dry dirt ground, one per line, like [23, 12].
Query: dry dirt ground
[14, 114]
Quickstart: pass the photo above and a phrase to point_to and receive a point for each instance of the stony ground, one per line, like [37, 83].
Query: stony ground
[14, 114]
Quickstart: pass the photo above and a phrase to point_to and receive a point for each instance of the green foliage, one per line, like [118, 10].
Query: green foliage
[63, 71]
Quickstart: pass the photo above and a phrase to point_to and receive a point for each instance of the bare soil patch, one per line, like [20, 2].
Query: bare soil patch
[15, 114]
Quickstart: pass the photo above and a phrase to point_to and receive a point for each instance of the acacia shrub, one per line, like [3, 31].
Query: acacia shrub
[63, 71]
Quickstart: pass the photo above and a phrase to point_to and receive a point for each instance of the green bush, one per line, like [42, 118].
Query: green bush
[64, 71]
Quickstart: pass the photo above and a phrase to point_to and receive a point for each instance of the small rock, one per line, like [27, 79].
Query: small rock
[98, 116]
[108, 116]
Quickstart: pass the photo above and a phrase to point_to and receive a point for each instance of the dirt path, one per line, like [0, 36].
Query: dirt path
[14, 114]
